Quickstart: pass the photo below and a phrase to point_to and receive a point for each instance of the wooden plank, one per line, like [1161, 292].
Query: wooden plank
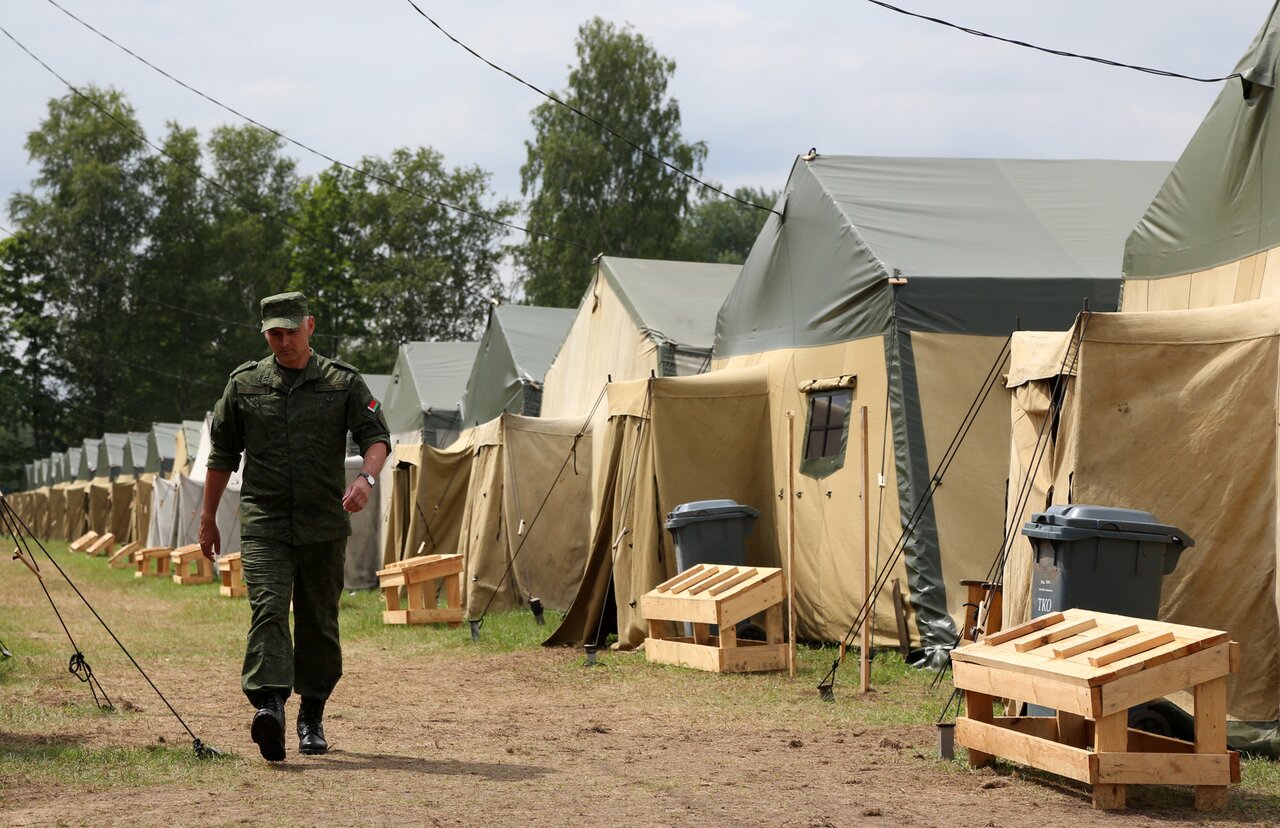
[1071, 729]
[1199, 769]
[682, 652]
[1140, 741]
[1034, 625]
[1041, 727]
[706, 575]
[1110, 735]
[1024, 687]
[441, 615]
[702, 634]
[666, 586]
[1052, 634]
[1040, 663]
[1172, 676]
[1093, 642]
[991, 740]
[979, 708]
[773, 624]
[725, 574]
[761, 596]
[900, 618]
[742, 577]
[675, 608]
[1129, 647]
[1211, 738]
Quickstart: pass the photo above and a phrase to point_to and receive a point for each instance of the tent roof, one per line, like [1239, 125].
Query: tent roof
[428, 376]
[672, 301]
[967, 233]
[516, 349]
[111, 451]
[164, 440]
[135, 452]
[1214, 208]
[90, 456]
[73, 460]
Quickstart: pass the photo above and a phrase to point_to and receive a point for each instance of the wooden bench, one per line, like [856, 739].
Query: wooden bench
[418, 576]
[231, 573]
[104, 545]
[707, 594]
[1091, 667]
[152, 562]
[81, 543]
[123, 557]
[190, 566]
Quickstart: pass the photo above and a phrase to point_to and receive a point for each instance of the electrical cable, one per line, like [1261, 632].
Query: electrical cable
[575, 110]
[1057, 52]
[276, 217]
[319, 154]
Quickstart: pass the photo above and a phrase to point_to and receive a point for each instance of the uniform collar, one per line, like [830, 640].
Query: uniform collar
[272, 373]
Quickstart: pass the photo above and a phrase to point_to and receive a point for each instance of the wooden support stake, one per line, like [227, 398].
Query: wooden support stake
[791, 544]
[900, 617]
[1211, 736]
[868, 615]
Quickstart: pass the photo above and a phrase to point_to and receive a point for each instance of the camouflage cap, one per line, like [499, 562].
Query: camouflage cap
[284, 310]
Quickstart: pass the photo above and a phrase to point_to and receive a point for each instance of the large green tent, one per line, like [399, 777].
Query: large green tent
[891, 283]
[134, 457]
[427, 384]
[1208, 236]
[518, 345]
[73, 455]
[111, 455]
[89, 459]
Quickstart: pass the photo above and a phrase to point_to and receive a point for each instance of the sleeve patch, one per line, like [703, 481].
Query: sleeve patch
[373, 406]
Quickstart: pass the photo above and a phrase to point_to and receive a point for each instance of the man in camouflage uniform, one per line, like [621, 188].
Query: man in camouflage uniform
[289, 413]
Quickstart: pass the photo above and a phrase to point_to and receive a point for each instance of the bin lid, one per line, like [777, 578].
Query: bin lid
[700, 510]
[1076, 521]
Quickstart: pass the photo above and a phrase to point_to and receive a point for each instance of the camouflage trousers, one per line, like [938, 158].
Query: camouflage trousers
[310, 576]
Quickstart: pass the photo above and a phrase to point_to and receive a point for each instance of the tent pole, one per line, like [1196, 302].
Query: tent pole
[791, 544]
[864, 660]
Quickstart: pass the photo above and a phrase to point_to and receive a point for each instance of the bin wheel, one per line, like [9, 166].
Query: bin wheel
[1146, 718]
[750, 631]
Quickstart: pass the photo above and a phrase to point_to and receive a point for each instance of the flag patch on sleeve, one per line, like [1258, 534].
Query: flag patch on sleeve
[373, 406]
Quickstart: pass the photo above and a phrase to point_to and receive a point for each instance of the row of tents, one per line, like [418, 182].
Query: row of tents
[550, 452]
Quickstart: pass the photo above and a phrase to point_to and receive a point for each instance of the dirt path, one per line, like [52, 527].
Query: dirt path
[535, 739]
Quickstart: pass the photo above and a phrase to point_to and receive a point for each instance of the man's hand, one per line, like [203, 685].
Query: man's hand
[210, 538]
[357, 496]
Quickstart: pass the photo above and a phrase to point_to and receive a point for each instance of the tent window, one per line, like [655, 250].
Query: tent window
[827, 432]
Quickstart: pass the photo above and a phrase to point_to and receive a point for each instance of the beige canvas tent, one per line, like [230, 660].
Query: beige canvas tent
[669, 441]
[893, 283]
[525, 523]
[1173, 413]
[428, 498]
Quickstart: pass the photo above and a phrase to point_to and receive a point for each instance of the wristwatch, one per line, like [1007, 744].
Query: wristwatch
[372, 480]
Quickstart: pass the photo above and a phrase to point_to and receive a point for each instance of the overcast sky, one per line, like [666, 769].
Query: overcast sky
[760, 82]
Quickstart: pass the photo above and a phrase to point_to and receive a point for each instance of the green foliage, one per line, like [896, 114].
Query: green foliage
[721, 230]
[586, 185]
[382, 265]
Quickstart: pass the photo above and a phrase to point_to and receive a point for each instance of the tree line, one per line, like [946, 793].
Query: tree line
[130, 284]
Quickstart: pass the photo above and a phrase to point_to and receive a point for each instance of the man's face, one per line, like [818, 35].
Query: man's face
[292, 347]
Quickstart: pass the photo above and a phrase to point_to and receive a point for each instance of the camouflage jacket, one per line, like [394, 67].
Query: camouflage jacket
[294, 443]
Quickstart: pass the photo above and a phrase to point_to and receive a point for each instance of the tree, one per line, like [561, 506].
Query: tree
[28, 412]
[382, 265]
[586, 185]
[84, 222]
[721, 230]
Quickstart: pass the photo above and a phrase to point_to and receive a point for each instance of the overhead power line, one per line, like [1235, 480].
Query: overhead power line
[575, 110]
[319, 154]
[1164, 73]
[196, 171]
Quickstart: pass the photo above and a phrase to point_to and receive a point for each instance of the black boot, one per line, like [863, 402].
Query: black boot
[311, 728]
[268, 728]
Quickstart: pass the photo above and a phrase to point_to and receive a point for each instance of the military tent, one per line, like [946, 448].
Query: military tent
[892, 283]
[518, 344]
[525, 522]
[56, 522]
[1173, 413]
[89, 459]
[427, 385]
[364, 557]
[57, 468]
[73, 462]
[162, 444]
[1210, 235]
[669, 441]
[134, 458]
[379, 385]
[428, 497]
[186, 444]
[638, 318]
[111, 456]
[190, 499]
[76, 499]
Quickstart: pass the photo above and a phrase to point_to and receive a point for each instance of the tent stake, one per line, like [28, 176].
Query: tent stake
[475, 630]
[864, 658]
[791, 544]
